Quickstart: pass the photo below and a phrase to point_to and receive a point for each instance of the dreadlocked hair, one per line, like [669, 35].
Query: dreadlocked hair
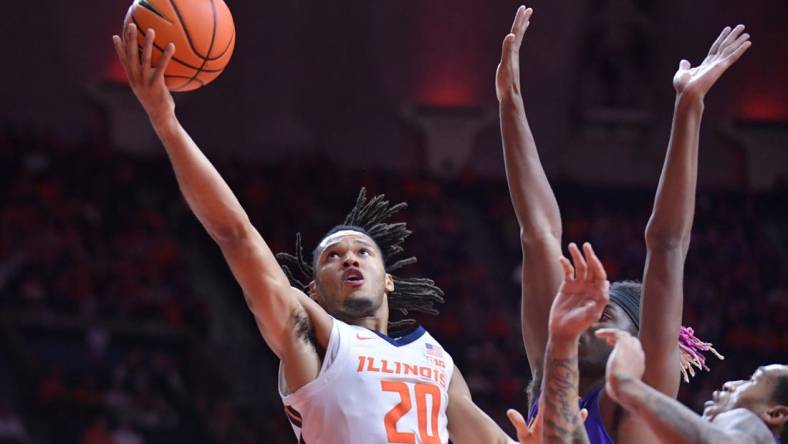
[369, 217]
[690, 353]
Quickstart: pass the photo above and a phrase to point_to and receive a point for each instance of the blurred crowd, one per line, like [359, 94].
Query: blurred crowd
[104, 333]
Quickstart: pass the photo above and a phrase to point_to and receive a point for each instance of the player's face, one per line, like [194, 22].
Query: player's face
[753, 394]
[593, 352]
[350, 279]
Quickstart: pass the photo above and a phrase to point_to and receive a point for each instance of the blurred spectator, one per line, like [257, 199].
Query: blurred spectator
[12, 431]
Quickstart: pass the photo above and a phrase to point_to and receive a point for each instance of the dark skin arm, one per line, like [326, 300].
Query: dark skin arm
[533, 199]
[665, 417]
[668, 230]
[467, 423]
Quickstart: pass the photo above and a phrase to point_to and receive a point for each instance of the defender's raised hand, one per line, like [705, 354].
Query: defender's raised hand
[507, 76]
[146, 80]
[627, 361]
[582, 296]
[532, 433]
[726, 50]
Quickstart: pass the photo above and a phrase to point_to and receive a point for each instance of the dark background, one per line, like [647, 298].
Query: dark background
[119, 321]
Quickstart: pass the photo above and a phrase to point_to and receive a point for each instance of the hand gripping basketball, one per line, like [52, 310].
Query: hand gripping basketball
[146, 81]
[202, 31]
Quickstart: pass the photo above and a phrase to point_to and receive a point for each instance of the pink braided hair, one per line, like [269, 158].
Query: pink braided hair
[690, 348]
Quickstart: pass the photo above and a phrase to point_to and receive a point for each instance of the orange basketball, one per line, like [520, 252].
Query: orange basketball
[202, 31]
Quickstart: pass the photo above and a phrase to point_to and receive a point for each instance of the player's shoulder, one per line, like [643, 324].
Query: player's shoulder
[745, 425]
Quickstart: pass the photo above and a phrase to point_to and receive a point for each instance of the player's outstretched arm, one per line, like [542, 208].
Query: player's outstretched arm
[668, 230]
[275, 304]
[667, 418]
[533, 199]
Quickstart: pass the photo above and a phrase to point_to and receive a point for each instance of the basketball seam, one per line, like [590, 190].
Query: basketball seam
[189, 37]
[188, 65]
[213, 39]
[187, 83]
[145, 4]
[224, 51]
[186, 29]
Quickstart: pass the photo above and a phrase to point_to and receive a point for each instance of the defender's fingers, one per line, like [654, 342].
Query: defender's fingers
[716, 45]
[569, 271]
[517, 17]
[518, 422]
[736, 44]
[581, 267]
[733, 57]
[583, 415]
[731, 37]
[521, 24]
[596, 269]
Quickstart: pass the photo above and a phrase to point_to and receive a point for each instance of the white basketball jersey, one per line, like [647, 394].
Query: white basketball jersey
[374, 389]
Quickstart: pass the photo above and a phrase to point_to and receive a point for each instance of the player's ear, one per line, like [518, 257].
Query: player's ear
[312, 291]
[775, 416]
[389, 283]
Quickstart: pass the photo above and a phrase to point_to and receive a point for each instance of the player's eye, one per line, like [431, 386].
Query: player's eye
[364, 252]
[332, 255]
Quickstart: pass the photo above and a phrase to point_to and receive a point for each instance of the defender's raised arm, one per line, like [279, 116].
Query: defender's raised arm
[533, 200]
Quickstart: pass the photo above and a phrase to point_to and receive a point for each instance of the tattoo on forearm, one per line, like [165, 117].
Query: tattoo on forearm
[562, 424]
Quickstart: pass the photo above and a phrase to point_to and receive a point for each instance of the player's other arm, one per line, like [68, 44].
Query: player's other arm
[280, 316]
[467, 423]
[533, 199]
[668, 230]
[667, 418]
[672, 422]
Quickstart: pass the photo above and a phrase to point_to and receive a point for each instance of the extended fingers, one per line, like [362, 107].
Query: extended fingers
[569, 270]
[132, 51]
[117, 42]
[147, 49]
[518, 422]
[731, 37]
[521, 22]
[734, 56]
[736, 44]
[164, 60]
[580, 263]
[596, 269]
[716, 45]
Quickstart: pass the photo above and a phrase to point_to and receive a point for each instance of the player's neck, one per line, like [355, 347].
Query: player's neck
[375, 323]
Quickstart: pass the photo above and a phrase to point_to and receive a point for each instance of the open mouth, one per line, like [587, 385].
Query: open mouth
[353, 277]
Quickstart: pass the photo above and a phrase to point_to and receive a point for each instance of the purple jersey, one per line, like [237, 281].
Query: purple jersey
[595, 425]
